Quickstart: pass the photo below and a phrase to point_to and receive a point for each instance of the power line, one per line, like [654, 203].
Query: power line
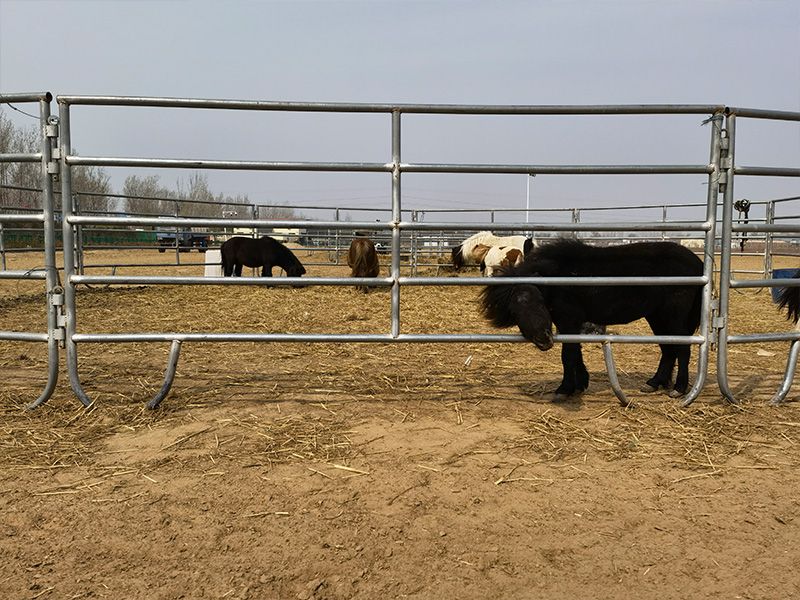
[19, 110]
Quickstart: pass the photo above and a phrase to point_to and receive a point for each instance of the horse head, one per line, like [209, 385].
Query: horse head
[531, 315]
[295, 270]
[520, 305]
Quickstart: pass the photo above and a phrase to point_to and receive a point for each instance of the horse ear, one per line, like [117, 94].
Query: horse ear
[527, 245]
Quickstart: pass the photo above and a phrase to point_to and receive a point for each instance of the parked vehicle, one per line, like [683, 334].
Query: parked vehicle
[185, 240]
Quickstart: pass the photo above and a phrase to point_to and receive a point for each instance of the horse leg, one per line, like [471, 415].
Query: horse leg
[266, 270]
[237, 269]
[581, 374]
[663, 375]
[683, 353]
[227, 268]
[570, 357]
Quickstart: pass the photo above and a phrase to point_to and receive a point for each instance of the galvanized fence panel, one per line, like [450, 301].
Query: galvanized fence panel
[395, 226]
[727, 282]
[48, 274]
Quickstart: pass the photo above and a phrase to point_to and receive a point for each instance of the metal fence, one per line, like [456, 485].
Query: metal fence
[406, 231]
[44, 218]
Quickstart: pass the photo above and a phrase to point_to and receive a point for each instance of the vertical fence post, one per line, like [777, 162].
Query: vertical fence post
[725, 257]
[396, 217]
[768, 239]
[68, 235]
[176, 212]
[51, 274]
[336, 240]
[414, 258]
[76, 203]
[2, 249]
[706, 325]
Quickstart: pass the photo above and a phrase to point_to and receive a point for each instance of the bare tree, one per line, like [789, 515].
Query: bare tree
[14, 140]
[90, 186]
[146, 196]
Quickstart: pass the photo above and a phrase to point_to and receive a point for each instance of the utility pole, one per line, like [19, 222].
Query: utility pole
[528, 198]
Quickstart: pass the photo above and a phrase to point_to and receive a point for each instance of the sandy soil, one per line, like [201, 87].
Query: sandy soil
[377, 471]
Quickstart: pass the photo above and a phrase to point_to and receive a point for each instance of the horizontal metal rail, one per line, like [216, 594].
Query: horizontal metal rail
[26, 97]
[373, 167]
[764, 228]
[768, 171]
[31, 274]
[21, 158]
[754, 338]
[244, 165]
[560, 169]
[521, 109]
[32, 218]
[374, 225]
[22, 336]
[758, 113]
[376, 338]
[383, 281]
[761, 283]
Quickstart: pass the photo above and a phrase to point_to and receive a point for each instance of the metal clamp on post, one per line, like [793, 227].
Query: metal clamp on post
[57, 302]
[51, 132]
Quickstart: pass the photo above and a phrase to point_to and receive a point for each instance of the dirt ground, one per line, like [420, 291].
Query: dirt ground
[335, 471]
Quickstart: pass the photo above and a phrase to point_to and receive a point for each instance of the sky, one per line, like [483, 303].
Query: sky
[731, 52]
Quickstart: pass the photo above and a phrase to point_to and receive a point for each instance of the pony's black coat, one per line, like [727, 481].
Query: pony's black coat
[265, 252]
[669, 310]
[789, 298]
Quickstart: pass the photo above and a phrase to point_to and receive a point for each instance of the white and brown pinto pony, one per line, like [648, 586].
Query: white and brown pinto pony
[472, 250]
[501, 257]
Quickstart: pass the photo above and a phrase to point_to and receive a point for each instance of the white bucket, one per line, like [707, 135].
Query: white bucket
[213, 267]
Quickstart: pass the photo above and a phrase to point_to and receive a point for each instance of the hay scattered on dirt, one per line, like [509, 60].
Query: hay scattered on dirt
[705, 437]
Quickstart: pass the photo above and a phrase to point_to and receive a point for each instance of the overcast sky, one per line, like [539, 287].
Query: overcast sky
[739, 53]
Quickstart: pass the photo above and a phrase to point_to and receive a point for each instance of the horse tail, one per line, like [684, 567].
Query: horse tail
[789, 298]
[458, 257]
[696, 310]
[226, 259]
[364, 260]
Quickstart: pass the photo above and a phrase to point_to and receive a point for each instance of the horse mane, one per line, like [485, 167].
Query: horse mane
[474, 248]
[495, 302]
[570, 257]
[284, 253]
[485, 238]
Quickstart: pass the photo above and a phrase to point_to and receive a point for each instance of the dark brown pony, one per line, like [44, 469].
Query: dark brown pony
[264, 252]
[362, 258]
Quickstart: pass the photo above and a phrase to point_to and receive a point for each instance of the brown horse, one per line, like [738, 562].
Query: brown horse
[362, 258]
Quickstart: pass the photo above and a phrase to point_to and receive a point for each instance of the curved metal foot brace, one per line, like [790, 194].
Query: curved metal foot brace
[611, 368]
[791, 367]
[54, 299]
[169, 376]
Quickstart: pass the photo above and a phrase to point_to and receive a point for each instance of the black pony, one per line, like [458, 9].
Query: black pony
[264, 252]
[669, 310]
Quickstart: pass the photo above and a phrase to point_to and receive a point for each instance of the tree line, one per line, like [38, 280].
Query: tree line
[140, 195]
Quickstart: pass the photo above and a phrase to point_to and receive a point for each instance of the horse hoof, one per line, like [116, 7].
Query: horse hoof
[648, 389]
[557, 397]
[676, 394]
